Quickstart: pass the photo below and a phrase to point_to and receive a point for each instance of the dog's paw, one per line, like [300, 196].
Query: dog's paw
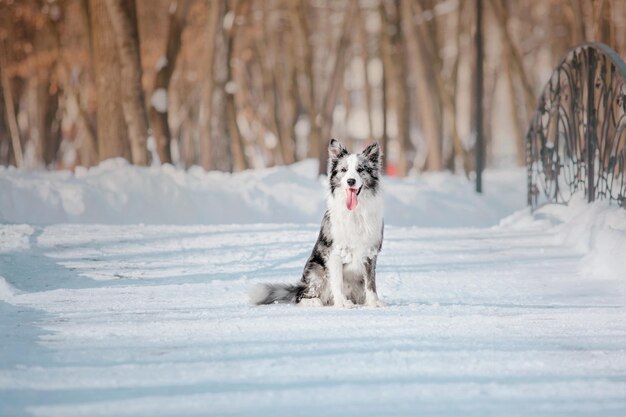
[345, 303]
[374, 303]
[346, 255]
[311, 302]
[372, 300]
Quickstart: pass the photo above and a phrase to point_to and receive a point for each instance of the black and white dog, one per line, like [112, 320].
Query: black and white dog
[341, 271]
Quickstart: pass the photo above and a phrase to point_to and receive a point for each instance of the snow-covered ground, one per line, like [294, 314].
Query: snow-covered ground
[491, 310]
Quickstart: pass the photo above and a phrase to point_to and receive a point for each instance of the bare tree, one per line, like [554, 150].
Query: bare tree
[397, 72]
[87, 145]
[214, 28]
[269, 113]
[607, 30]
[220, 147]
[515, 57]
[299, 21]
[365, 56]
[279, 82]
[336, 78]
[429, 102]
[385, 55]
[77, 84]
[123, 19]
[10, 107]
[165, 68]
[232, 129]
[110, 124]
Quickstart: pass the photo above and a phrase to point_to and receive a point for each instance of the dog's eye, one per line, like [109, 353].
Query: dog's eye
[344, 169]
[359, 170]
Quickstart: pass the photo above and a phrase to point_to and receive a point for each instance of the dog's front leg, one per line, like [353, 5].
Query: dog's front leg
[371, 297]
[335, 276]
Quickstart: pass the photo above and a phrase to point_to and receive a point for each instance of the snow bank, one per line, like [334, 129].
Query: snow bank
[7, 292]
[15, 237]
[118, 193]
[598, 231]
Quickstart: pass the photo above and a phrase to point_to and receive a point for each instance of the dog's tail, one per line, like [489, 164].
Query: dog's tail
[275, 293]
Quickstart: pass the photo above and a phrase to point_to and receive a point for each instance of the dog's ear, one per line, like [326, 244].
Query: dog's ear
[372, 153]
[336, 149]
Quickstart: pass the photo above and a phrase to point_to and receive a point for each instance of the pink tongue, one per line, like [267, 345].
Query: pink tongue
[351, 201]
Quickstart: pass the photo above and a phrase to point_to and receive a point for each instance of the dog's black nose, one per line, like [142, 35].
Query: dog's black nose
[351, 181]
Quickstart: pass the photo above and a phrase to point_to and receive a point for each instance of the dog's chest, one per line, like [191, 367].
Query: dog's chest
[359, 232]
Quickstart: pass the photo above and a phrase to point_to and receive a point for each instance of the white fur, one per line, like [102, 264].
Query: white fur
[257, 293]
[311, 302]
[371, 299]
[356, 235]
[353, 162]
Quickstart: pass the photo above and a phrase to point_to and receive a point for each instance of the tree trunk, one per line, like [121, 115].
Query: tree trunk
[123, 19]
[236, 141]
[216, 16]
[385, 56]
[280, 63]
[514, 56]
[365, 56]
[429, 53]
[348, 140]
[187, 148]
[330, 98]
[299, 13]
[86, 13]
[220, 151]
[269, 95]
[427, 101]
[110, 125]
[237, 147]
[49, 123]
[165, 68]
[578, 24]
[288, 88]
[457, 149]
[4, 131]
[399, 75]
[88, 142]
[607, 29]
[10, 107]
[273, 84]
[520, 144]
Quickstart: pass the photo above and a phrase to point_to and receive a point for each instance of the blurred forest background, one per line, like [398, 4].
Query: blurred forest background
[236, 84]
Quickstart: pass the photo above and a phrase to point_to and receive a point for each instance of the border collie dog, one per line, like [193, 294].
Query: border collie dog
[341, 270]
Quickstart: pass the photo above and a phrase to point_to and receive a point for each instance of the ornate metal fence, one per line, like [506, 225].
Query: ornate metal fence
[576, 140]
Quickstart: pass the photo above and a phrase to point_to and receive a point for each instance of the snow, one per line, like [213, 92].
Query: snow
[6, 290]
[161, 63]
[116, 192]
[152, 148]
[231, 87]
[490, 309]
[598, 230]
[13, 237]
[229, 20]
[159, 100]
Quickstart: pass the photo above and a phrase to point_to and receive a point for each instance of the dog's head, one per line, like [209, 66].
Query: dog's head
[352, 174]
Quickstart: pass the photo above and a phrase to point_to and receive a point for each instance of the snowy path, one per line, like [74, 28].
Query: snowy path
[153, 321]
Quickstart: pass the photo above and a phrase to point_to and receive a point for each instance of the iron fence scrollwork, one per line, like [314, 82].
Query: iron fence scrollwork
[576, 136]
